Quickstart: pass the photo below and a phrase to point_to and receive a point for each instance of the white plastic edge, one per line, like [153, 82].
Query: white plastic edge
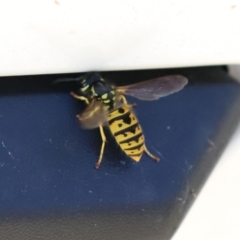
[60, 36]
[215, 215]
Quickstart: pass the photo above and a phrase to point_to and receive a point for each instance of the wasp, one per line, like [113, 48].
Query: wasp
[107, 105]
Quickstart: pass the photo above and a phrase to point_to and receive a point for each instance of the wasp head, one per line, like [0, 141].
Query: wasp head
[85, 84]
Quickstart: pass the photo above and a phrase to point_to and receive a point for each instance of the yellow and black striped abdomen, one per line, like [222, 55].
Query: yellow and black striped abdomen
[127, 132]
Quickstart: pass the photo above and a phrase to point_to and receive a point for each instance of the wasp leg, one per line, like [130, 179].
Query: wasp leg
[97, 166]
[126, 103]
[151, 155]
[124, 99]
[80, 97]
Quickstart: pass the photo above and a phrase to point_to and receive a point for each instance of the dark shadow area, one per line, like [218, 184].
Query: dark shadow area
[45, 83]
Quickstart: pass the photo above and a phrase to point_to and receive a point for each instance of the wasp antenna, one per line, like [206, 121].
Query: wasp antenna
[59, 80]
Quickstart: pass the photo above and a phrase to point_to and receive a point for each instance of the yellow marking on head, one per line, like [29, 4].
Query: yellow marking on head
[84, 80]
[113, 98]
[112, 92]
[104, 96]
[93, 90]
[84, 88]
[106, 101]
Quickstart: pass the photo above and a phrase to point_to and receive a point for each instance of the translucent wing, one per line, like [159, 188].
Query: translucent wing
[155, 88]
[93, 116]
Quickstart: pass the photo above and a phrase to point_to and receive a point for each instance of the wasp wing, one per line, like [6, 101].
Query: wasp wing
[155, 88]
[93, 116]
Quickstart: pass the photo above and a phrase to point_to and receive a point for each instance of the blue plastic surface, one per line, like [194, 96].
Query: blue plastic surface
[47, 160]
